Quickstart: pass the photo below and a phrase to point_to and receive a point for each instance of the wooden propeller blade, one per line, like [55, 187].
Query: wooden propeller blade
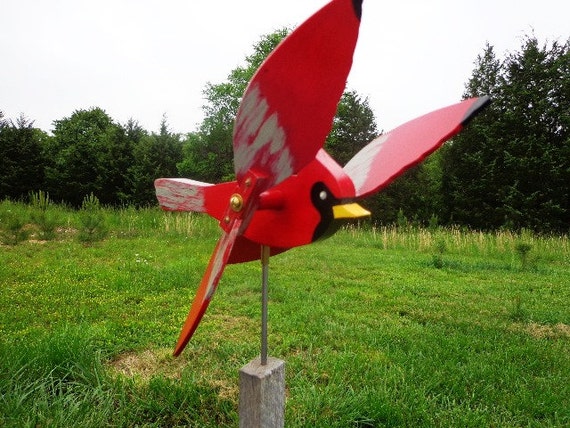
[208, 285]
[289, 105]
[389, 155]
[183, 194]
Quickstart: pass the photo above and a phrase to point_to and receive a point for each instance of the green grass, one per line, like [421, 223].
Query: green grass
[378, 327]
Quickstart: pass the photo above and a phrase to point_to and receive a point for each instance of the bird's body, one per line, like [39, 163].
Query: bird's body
[295, 212]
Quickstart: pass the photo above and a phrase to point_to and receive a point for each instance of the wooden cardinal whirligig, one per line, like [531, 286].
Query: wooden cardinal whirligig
[288, 191]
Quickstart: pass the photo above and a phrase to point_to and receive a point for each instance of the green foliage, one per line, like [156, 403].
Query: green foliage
[154, 156]
[433, 222]
[523, 251]
[54, 381]
[511, 166]
[518, 312]
[93, 227]
[402, 221]
[40, 201]
[417, 193]
[90, 153]
[509, 169]
[439, 250]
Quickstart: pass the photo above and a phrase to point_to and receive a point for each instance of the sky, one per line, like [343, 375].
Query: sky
[143, 59]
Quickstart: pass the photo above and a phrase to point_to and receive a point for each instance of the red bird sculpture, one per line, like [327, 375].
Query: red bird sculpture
[288, 191]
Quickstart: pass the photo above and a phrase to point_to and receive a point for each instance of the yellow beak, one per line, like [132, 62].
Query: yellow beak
[349, 211]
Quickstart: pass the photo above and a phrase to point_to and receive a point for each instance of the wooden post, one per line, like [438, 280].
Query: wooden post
[262, 394]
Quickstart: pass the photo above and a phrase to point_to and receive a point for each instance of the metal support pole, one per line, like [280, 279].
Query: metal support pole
[264, 301]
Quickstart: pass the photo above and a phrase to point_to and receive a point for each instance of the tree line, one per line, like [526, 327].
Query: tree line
[509, 169]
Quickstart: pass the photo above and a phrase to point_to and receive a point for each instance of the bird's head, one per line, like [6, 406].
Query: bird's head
[307, 207]
[333, 212]
[333, 196]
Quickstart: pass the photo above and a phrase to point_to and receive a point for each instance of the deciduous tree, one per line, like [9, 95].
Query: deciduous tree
[83, 157]
[208, 153]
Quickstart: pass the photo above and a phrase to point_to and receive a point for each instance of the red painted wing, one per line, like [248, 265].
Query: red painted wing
[389, 155]
[287, 109]
[208, 285]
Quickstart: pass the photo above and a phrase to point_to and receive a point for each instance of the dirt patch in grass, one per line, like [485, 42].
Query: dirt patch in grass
[226, 390]
[544, 331]
[149, 363]
[143, 366]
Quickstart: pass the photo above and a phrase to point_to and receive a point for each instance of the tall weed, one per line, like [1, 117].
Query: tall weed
[43, 215]
[92, 218]
[13, 221]
[502, 245]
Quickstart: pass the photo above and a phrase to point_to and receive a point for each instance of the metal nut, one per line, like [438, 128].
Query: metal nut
[236, 202]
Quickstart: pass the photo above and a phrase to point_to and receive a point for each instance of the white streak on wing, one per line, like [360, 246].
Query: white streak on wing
[217, 267]
[283, 169]
[182, 194]
[260, 139]
[253, 110]
[359, 167]
[266, 134]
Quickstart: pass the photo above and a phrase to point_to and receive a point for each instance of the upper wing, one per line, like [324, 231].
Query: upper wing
[389, 155]
[288, 107]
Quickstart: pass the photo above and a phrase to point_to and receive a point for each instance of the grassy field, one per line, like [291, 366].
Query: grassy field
[378, 327]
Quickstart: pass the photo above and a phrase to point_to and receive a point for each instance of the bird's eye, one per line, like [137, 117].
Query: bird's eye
[323, 195]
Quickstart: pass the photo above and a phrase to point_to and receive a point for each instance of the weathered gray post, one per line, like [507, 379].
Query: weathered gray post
[262, 380]
[262, 394]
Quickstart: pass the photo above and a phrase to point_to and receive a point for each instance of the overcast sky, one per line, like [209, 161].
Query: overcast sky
[141, 59]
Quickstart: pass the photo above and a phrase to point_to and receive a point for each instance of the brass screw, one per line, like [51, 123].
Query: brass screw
[236, 202]
[248, 182]
[227, 219]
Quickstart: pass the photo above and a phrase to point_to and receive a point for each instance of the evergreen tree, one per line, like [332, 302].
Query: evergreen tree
[354, 126]
[416, 194]
[155, 156]
[134, 133]
[511, 167]
[471, 163]
[21, 162]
